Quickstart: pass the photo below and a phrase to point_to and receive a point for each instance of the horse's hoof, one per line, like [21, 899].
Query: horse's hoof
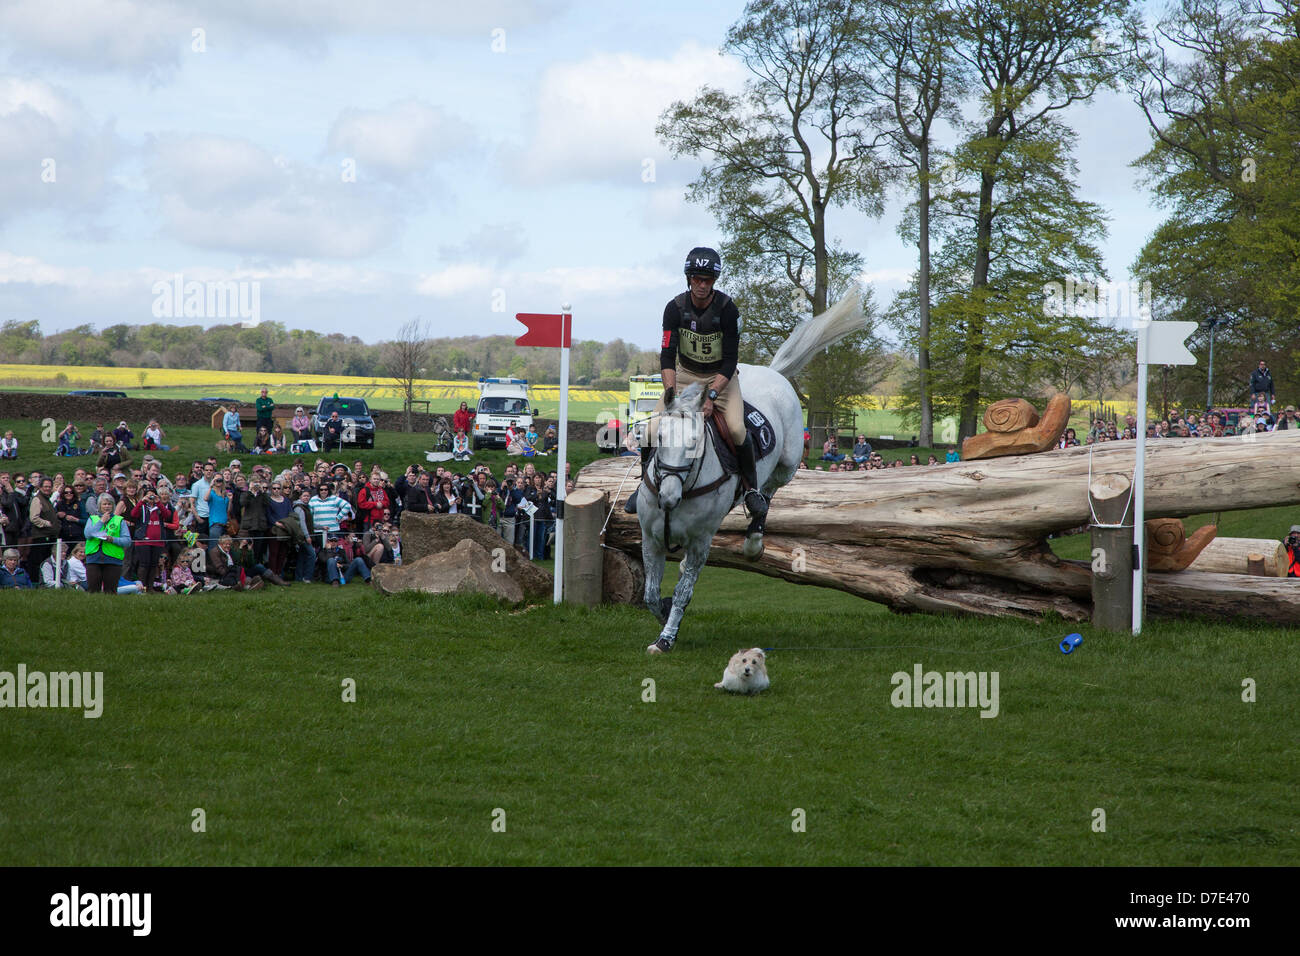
[661, 646]
[753, 548]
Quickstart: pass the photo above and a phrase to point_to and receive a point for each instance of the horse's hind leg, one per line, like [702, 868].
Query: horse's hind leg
[692, 564]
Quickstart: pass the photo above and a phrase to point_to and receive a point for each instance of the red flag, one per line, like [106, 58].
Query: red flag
[545, 330]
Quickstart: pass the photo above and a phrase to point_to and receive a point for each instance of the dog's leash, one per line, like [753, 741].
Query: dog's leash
[920, 647]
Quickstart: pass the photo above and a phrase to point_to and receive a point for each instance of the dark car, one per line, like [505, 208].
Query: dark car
[358, 424]
[98, 393]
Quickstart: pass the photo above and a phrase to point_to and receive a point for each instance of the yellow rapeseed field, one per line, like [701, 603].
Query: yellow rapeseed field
[93, 376]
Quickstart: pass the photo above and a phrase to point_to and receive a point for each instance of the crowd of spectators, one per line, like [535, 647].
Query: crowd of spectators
[1217, 423]
[122, 528]
[864, 458]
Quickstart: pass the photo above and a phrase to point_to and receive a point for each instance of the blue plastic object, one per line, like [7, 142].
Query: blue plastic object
[1071, 642]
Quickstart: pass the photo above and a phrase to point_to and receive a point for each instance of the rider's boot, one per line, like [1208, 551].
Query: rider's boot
[754, 499]
[646, 454]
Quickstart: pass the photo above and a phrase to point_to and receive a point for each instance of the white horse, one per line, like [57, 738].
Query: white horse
[686, 493]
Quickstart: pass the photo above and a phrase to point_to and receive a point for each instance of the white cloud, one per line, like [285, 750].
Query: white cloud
[98, 34]
[53, 154]
[495, 244]
[400, 139]
[151, 36]
[596, 119]
[231, 195]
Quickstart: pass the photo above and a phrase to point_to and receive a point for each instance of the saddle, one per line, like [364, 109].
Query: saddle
[756, 426]
[761, 436]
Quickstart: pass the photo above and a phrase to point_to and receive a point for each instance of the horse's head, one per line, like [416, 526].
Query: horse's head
[680, 442]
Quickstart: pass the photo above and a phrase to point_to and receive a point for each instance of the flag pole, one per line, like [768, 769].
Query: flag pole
[1139, 497]
[566, 321]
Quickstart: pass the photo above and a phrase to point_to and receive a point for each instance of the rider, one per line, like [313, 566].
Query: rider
[701, 343]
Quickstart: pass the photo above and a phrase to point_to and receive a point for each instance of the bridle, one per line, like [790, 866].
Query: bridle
[687, 474]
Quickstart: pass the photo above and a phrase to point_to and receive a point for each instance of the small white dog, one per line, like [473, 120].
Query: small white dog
[746, 672]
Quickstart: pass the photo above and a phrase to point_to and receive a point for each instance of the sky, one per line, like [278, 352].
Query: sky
[353, 166]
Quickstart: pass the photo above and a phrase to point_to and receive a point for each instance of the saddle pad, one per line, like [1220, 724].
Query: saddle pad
[761, 430]
[761, 435]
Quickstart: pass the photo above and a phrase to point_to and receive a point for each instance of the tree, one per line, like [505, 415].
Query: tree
[1029, 61]
[1220, 94]
[790, 148]
[911, 69]
[404, 358]
[831, 381]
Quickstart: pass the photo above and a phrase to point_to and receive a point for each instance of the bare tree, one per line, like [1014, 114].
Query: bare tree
[405, 357]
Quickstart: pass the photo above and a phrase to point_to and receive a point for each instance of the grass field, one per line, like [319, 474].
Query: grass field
[232, 703]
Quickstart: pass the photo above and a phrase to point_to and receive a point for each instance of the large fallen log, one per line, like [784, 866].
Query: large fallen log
[1229, 556]
[970, 537]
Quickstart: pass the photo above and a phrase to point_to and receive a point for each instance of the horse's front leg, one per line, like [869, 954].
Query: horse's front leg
[691, 565]
[653, 558]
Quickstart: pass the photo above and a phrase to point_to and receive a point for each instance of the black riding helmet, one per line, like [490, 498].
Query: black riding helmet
[703, 261]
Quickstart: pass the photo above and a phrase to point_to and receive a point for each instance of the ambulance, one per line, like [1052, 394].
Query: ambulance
[500, 402]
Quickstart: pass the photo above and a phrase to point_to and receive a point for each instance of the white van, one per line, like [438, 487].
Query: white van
[500, 402]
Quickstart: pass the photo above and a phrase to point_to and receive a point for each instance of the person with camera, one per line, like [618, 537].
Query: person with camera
[1293, 552]
[419, 497]
[339, 568]
[253, 569]
[149, 518]
[378, 544]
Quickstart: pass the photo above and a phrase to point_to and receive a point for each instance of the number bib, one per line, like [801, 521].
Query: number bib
[700, 348]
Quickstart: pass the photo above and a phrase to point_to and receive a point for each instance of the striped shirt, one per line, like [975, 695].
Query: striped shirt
[326, 512]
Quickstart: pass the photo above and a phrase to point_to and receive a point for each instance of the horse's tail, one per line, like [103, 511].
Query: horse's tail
[839, 321]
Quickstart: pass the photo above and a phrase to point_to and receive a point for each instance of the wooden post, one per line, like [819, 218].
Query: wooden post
[584, 514]
[1255, 564]
[1112, 552]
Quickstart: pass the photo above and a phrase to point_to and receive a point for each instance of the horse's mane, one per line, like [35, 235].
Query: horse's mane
[687, 397]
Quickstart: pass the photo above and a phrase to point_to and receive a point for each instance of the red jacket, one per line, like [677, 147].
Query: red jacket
[154, 516]
[462, 420]
[372, 502]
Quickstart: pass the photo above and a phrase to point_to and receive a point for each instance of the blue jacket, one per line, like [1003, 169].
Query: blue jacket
[18, 579]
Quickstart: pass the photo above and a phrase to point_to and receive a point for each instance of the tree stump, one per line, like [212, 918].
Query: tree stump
[584, 513]
[623, 578]
[1111, 497]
